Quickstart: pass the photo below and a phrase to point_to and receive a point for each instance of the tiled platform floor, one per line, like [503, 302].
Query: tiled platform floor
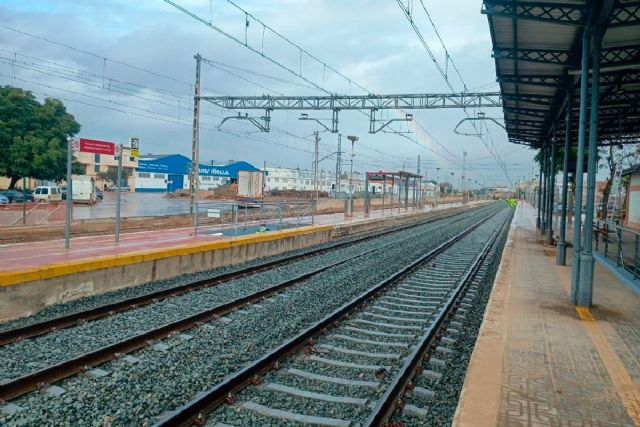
[541, 362]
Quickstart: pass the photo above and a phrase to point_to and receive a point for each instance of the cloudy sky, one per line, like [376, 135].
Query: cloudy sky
[126, 69]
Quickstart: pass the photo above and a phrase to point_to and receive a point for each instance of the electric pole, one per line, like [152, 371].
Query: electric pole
[416, 191]
[464, 171]
[316, 156]
[437, 185]
[195, 146]
[353, 140]
[338, 166]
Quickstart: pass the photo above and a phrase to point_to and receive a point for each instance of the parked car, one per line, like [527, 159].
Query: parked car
[46, 193]
[16, 196]
[4, 200]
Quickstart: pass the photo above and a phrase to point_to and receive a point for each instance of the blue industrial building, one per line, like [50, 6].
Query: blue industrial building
[168, 173]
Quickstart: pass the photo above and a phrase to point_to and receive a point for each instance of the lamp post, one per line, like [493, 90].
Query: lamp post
[451, 191]
[353, 140]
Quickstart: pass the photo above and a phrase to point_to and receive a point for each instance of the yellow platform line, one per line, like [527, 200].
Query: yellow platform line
[49, 271]
[622, 382]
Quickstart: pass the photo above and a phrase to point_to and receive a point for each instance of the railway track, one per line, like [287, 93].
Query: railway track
[353, 366]
[81, 363]
[79, 317]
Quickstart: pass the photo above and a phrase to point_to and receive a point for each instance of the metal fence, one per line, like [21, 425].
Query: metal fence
[238, 218]
[619, 244]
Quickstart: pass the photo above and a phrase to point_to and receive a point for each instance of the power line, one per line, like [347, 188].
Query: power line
[112, 88]
[260, 52]
[211, 64]
[490, 145]
[86, 52]
[81, 74]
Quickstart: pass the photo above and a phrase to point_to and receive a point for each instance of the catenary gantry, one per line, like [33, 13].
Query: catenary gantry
[551, 58]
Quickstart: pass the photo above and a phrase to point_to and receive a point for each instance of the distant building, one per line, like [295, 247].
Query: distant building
[303, 180]
[170, 172]
[632, 198]
[95, 164]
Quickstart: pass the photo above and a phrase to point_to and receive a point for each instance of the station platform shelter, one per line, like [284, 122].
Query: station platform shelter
[540, 360]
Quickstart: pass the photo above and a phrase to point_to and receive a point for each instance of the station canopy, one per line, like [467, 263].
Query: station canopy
[537, 47]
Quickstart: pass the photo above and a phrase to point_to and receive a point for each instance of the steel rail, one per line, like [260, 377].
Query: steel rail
[10, 389]
[194, 410]
[79, 317]
[390, 399]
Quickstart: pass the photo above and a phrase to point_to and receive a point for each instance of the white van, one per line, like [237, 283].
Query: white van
[46, 193]
[84, 189]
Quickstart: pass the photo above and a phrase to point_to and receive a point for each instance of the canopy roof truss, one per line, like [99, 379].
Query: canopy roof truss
[537, 51]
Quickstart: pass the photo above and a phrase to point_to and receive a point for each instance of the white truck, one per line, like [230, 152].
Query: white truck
[251, 184]
[84, 189]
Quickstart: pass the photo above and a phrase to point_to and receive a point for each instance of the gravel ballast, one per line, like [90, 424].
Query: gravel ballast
[166, 376]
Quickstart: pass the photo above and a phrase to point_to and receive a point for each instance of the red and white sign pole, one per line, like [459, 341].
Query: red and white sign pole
[67, 223]
[97, 147]
[118, 185]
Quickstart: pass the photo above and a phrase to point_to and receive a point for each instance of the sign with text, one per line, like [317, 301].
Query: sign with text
[135, 146]
[98, 147]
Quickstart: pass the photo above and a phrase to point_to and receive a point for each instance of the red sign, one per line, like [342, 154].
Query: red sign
[98, 147]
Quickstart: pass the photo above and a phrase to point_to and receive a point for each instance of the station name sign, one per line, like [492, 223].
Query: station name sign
[97, 147]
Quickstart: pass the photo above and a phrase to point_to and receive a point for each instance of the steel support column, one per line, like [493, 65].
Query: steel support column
[539, 199]
[545, 174]
[585, 287]
[552, 189]
[561, 252]
[582, 131]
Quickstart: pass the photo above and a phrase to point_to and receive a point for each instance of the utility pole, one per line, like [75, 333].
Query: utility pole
[338, 166]
[414, 184]
[464, 171]
[437, 185]
[451, 191]
[264, 178]
[316, 156]
[195, 145]
[353, 140]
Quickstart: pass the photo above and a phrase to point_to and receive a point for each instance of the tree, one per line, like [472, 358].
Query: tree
[33, 136]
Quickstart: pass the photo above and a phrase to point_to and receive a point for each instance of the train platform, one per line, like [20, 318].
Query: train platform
[34, 255]
[540, 361]
[36, 274]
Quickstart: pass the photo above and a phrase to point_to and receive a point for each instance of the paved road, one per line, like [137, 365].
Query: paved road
[132, 204]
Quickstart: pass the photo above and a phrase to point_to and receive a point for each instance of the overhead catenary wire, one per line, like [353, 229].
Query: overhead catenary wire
[91, 79]
[490, 144]
[260, 52]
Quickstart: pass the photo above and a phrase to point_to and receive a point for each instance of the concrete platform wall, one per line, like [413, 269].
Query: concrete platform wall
[25, 293]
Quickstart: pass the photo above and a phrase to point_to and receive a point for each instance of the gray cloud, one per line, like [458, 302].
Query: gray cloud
[367, 40]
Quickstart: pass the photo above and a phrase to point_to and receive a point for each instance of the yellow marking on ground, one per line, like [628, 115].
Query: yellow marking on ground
[95, 263]
[585, 314]
[622, 382]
